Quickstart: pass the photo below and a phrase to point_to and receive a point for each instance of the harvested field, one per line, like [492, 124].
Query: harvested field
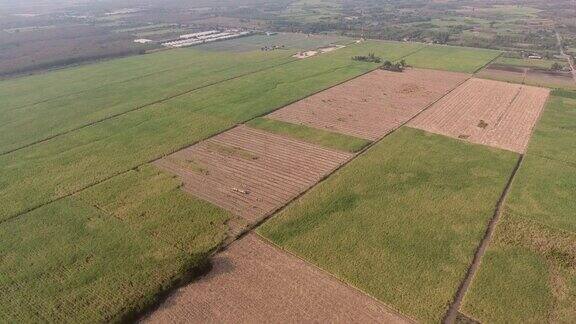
[372, 105]
[487, 112]
[250, 172]
[254, 282]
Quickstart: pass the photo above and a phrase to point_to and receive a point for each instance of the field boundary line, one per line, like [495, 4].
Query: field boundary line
[487, 63]
[182, 93]
[30, 209]
[331, 275]
[454, 308]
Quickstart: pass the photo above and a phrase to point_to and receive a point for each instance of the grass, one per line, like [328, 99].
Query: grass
[387, 50]
[30, 89]
[553, 137]
[26, 125]
[451, 58]
[105, 254]
[528, 275]
[152, 202]
[402, 221]
[529, 272]
[542, 192]
[312, 135]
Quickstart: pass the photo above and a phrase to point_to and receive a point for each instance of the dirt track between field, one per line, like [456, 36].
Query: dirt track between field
[372, 105]
[493, 113]
[251, 172]
[255, 282]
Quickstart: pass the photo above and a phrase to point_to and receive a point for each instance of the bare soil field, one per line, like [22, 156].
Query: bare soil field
[372, 105]
[255, 282]
[551, 79]
[487, 112]
[503, 73]
[530, 76]
[251, 172]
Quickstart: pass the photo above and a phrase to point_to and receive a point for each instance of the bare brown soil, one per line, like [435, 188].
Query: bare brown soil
[551, 79]
[372, 105]
[536, 77]
[487, 112]
[502, 75]
[251, 172]
[255, 282]
[507, 68]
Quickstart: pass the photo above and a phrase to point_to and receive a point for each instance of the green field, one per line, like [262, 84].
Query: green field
[313, 135]
[553, 138]
[402, 221]
[458, 59]
[25, 125]
[106, 253]
[529, 271]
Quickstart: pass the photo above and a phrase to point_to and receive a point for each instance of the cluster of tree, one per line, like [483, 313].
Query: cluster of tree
[371, 57]
[395, 67]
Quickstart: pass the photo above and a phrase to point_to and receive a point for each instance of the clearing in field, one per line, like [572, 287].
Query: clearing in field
[402, 221]
[250, 172]
[255, 282]
[372, 105]
[487, 112]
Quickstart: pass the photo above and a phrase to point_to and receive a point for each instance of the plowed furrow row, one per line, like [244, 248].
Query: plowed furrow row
[249, 172]
[487, 112]
[284, 174]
